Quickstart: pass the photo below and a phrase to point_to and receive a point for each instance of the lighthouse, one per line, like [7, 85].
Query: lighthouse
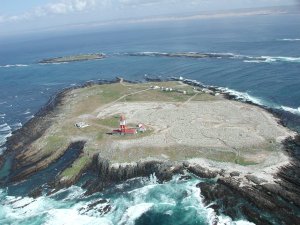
[122, 124]
[123, 129]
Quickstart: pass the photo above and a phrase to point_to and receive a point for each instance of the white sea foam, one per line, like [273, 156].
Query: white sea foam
[253, 61]
[291, 110]
[126, 208]
[271, 59]
[245, 58]
[5, 132]
[75, 192]
[14, 65]
[17, 209]
[5, 127]
[29, 117]
[243, 96]
[72, 217]
[26, 112]
[16, 126]
[134, 212]
[290, 39]
[225, 220]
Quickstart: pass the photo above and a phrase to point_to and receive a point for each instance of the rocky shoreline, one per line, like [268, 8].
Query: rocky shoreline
[227, 192]
[231, 194]
[20, 141]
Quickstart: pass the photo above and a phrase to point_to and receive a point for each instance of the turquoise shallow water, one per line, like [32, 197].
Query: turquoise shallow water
[269, 75]
[137, 201]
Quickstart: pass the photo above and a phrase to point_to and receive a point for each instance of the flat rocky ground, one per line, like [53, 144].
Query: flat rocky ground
[226, 130]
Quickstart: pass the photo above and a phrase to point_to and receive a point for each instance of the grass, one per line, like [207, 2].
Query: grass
[112, 121]
[54, 143]
[244, 162]
[77, 167]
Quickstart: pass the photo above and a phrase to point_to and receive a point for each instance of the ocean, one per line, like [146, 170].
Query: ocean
[263, 67]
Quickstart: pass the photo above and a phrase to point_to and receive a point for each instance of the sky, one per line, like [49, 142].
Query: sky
[34, 15]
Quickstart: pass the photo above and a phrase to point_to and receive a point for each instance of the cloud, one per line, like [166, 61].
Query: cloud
[68, 6]
[57, 8]
[117, 8]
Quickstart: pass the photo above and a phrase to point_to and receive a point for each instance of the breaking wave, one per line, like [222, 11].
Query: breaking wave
[129, 205]
[290, 39]
[244, 96]
[4, 127]
[16, 126]
[5, 132]
[228, 55]
[272, 59]
[13, 65]
[26, 112]
[291, 110]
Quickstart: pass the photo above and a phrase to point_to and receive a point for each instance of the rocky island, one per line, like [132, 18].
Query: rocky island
[241, 149]
[73, 58]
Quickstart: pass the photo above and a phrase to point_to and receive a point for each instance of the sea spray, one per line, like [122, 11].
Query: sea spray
[137, 200]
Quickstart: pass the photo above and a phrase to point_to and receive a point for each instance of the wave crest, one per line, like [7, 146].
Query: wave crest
[244, 96]
[291, 110]
[289, 39]
[14, 65]
[226, 55]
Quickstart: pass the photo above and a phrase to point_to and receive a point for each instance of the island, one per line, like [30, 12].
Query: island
[199, 55]
[73, 58]
[203, 55]
[243, 150]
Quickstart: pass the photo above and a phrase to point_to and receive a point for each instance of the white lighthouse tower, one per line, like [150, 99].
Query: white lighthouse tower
[122, 123]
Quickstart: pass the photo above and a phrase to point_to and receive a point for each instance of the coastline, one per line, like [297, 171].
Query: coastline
[248, 187]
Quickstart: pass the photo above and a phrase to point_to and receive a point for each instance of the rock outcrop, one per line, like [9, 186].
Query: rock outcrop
[108, 173]
[258, 200]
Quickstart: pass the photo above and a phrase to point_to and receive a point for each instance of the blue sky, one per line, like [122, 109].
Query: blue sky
[29, 15]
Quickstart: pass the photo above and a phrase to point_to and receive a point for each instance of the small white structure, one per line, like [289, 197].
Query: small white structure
[141, 128]
[155, 87]
[81, 125]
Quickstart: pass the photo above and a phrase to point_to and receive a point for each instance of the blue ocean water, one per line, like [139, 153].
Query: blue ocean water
[270, 76]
